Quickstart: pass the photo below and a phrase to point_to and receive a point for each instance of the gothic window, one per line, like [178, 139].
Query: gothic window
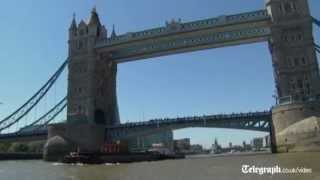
[307, 88]
[100, 92]
[80, 44]
[292, 84]
[303, 61]
[287, 7]
[293, 6]
[80, 109]
[285, 38]
[300, 84]
[292, 37]
[288, 62]
[281, 8]
[296, 61]
[81, 32]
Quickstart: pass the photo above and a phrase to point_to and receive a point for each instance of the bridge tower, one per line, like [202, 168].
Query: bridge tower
[296, 74]
[92, 78]
[92, 102]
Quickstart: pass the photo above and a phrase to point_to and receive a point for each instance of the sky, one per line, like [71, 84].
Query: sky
[33, 44]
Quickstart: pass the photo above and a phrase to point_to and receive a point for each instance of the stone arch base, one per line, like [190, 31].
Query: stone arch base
[66, 138]
[296, 127]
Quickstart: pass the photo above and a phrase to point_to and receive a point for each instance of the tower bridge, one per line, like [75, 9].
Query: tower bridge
[92, 109]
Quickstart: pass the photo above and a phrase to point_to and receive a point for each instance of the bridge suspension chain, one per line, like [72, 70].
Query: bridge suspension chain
[316, 21]
[317, 47]
[32, 102]
[49, 116]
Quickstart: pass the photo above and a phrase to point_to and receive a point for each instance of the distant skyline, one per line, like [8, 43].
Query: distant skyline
[232, 79]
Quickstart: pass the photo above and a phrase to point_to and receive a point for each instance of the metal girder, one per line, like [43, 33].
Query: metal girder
[179, 37]
[258, 121]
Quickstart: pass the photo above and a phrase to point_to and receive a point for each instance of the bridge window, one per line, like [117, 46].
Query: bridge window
[293, 85]
[293, 6]
[292, 36]
[285, 38]
[300, 83]
[307, 88]
[296, 61]
[80, 44]
[81, 32]
[303, 61]
[287, 7]
[281, 8]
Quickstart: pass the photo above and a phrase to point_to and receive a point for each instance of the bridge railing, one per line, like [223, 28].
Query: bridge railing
[194, 118]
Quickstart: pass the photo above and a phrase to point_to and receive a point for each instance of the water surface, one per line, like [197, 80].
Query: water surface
[193, 168]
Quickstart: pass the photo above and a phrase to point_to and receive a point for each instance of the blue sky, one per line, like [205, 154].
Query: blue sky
[234, 79]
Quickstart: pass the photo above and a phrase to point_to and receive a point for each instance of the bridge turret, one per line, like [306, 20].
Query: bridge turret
[73, 33]
[282, 10]
[293, 52]
[113, 34]
[91, 91]
[94, 24]
[295, 67]
[73, 28]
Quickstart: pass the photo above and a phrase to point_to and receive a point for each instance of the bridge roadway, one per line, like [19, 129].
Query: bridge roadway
[256, 121]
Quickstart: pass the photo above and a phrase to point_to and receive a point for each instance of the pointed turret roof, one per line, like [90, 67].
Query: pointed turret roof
[113, 34]
[82, 23]
[73, 25]
[94, 19]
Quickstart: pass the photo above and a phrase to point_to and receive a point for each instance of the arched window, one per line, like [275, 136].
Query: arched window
[293, 6]
[81, 32]
[80, 44]
[288, 7]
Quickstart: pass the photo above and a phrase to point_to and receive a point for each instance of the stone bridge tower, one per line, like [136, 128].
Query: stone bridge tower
[92, 101]
[92, 78]
[296, 74]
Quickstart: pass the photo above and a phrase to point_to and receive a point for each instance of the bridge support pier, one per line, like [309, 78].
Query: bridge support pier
[66, 138]
[296, 127]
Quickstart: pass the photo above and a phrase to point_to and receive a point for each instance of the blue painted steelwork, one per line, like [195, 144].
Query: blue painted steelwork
[257, 121]
[157, 46]
[178, 27]
[32, 102]
[47, 117]
[316, 21]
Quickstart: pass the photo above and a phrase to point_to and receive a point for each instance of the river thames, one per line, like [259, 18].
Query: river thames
[192, 168]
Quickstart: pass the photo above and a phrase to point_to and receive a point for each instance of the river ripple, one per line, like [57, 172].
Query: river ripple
[193, 168]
